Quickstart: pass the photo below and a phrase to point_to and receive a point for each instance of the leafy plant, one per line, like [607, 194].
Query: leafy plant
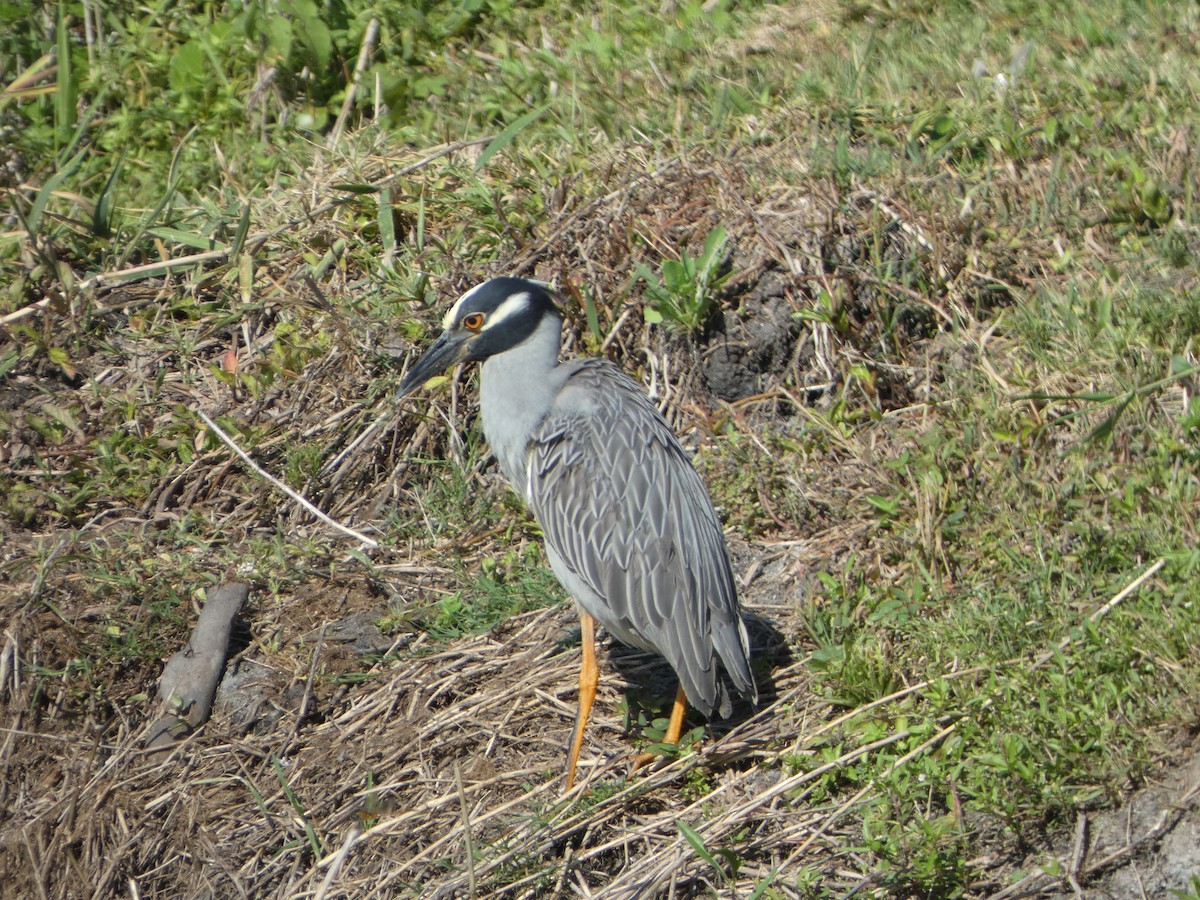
[828, 310]
[495, 595]
[685, 296]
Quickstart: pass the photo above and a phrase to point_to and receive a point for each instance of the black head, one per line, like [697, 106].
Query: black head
[488, 319]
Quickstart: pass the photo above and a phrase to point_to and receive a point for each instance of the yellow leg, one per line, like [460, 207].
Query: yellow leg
[589, 677]
[674, 728]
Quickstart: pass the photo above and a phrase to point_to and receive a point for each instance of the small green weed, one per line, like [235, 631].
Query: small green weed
[696, 786]
[727, 869]
[755, 479]
[685, 296]
[916, 855]
[299, 808]
[601, 792]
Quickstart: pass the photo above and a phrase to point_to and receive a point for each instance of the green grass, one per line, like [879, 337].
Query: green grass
[1043, 157]
[506, 588]
[124, 148]
[1008, 523]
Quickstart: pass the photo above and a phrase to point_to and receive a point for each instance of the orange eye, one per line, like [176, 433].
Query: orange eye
[473, 322]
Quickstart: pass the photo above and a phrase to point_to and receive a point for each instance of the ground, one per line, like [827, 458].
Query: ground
[355, 747]
[928, 332]
[1147, 846]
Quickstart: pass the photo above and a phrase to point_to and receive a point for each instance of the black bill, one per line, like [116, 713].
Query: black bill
[448, 350]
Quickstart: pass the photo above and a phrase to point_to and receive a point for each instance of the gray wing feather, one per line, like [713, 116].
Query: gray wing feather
[632, 532]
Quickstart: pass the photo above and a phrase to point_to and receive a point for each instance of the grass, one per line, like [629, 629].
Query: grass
[495, 596]
[982, 221]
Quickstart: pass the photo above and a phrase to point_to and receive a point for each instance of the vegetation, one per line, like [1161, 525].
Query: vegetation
[945, 256]
[686, 295]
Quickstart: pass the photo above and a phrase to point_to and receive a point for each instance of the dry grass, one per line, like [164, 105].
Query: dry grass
[368, 799]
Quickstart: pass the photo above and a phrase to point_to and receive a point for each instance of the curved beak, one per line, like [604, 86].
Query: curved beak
[448, 350]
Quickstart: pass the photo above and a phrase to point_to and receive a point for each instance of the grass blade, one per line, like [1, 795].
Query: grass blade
[387, 223]
[33, 218]
[25, 86]
[102, 217]
[68, 86]
[692, 836]
[1104, 430]
[506, 137]
[239, 238]
[150, 218]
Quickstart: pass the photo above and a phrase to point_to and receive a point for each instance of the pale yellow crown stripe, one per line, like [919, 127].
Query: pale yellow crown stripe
[510, 307]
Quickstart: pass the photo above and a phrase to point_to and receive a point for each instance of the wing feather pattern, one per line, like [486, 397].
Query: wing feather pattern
[632, 534]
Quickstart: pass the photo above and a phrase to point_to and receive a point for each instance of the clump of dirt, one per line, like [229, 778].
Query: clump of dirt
[754, 343]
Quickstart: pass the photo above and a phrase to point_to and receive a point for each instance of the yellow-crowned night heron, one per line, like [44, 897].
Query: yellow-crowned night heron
[630, 530]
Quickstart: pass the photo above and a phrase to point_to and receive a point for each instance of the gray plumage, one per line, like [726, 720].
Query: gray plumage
[630, 530]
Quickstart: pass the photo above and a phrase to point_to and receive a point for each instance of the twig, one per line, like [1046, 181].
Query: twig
[364, 54]
[1107, 607]
[336, 461]
[810, 738]
[1077, 853]
[24, 311]
[262, 473]
[1166, 821]
[1129, 589]
[10, 663]
[302, 712]
[189, 680]
[337, 861]
[564, 872]
[38, 869]
[135, 273]
[466, 821]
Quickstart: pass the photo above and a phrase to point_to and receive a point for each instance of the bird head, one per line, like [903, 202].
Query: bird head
[488, 319]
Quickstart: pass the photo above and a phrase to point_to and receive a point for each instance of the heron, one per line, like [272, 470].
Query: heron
[630, 530]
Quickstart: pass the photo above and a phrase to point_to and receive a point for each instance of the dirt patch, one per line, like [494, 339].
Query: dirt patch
[754, 346]
[1148, 846]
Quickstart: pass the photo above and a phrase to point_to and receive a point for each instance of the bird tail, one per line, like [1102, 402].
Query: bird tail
[733, 646]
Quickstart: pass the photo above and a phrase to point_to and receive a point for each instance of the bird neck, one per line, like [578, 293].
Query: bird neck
[517, 389]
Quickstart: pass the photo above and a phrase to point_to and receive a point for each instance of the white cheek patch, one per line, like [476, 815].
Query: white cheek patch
[512, 305]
